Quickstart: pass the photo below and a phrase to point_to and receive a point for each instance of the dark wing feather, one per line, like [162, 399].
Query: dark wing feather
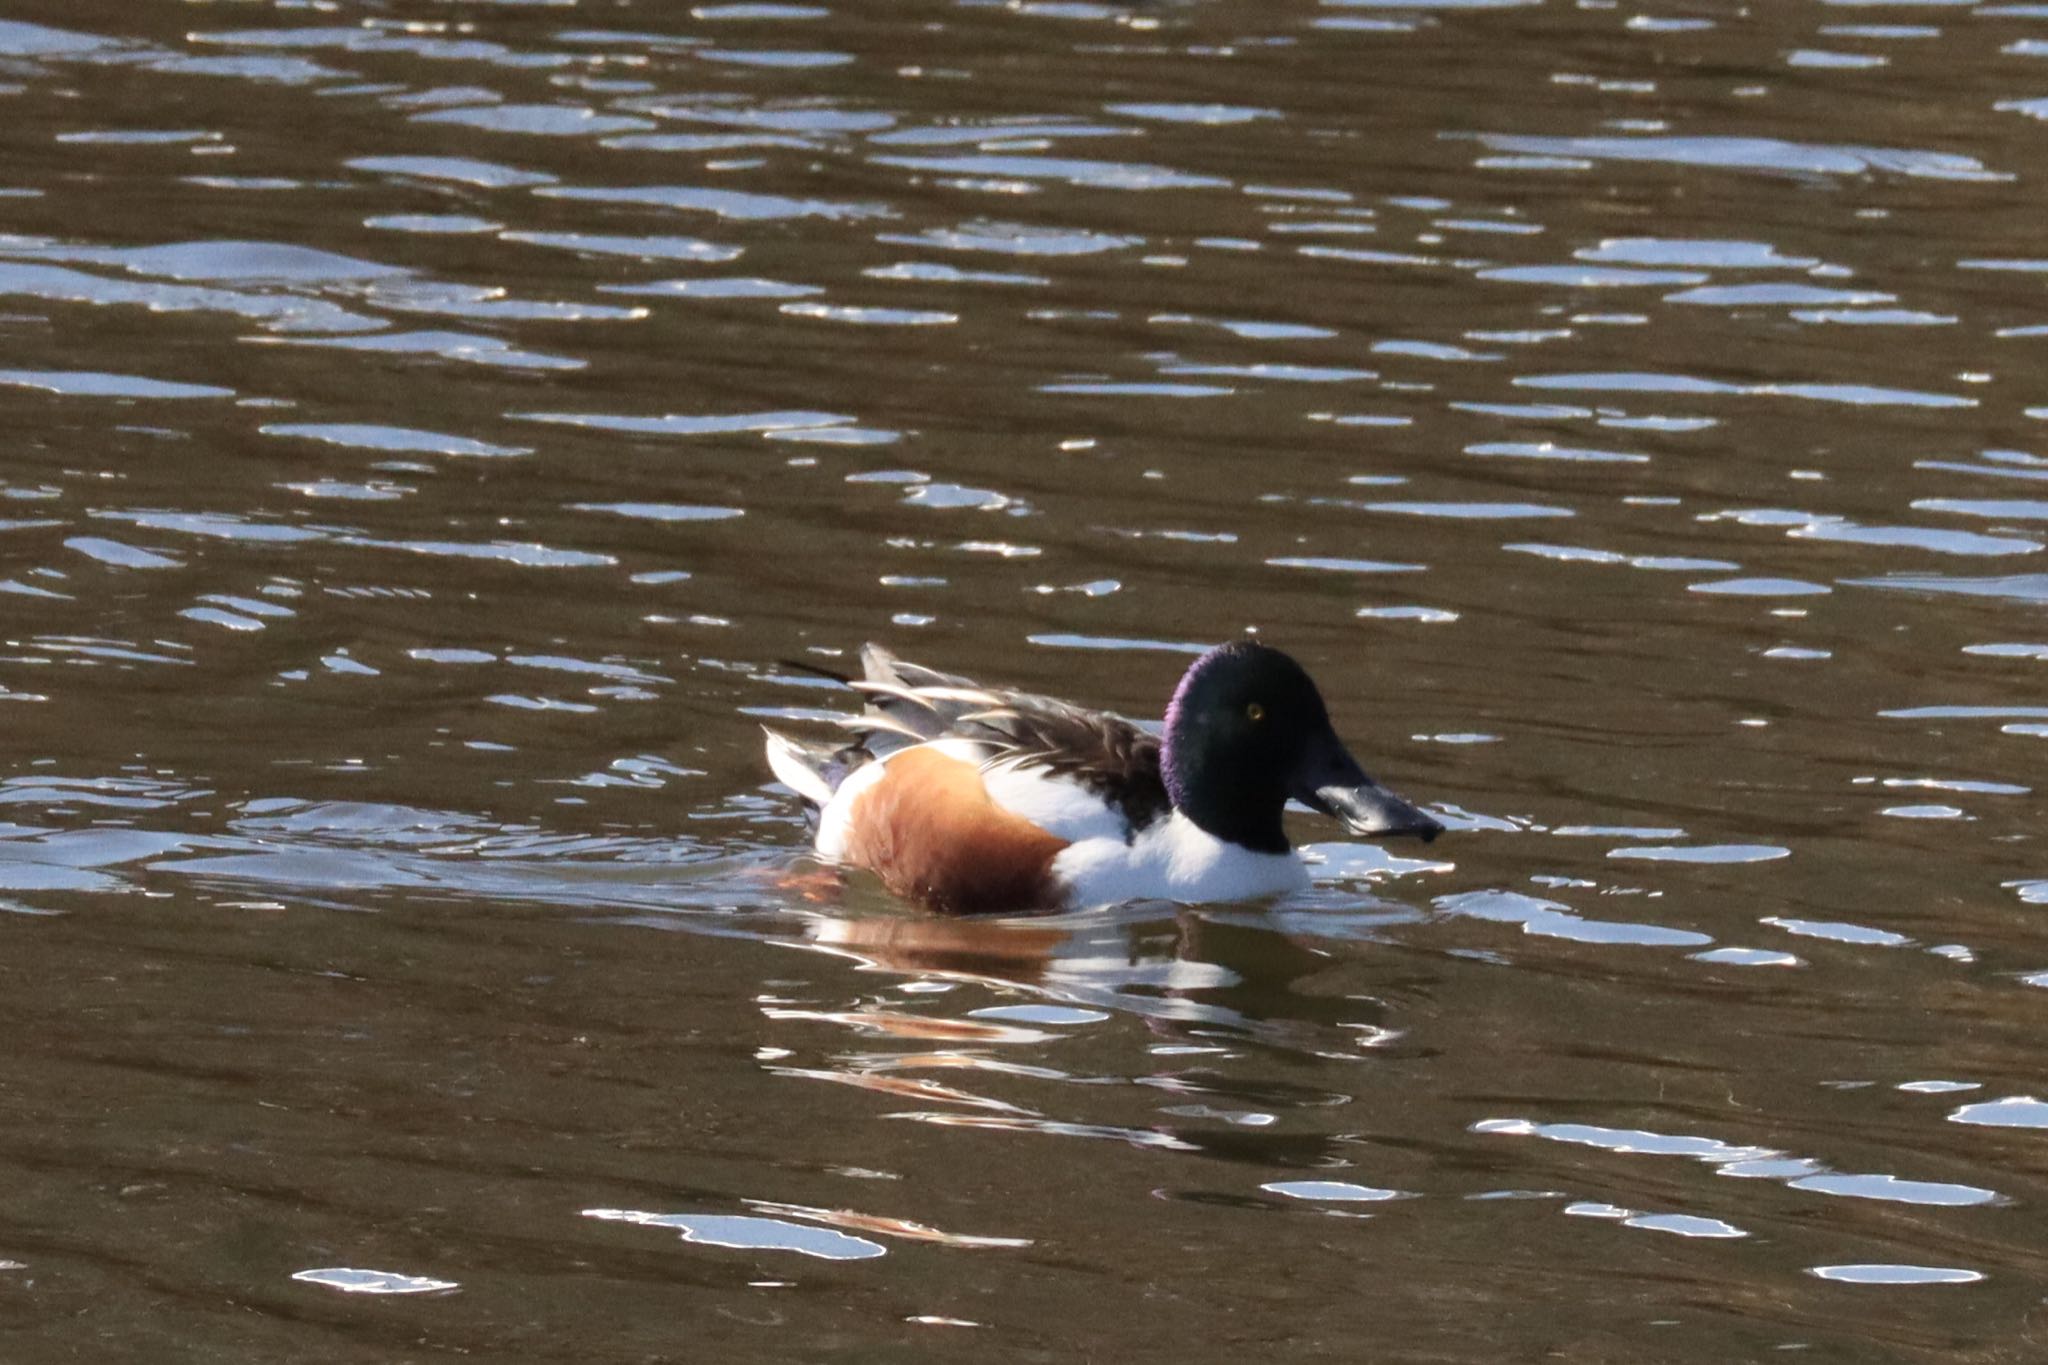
[1104, 753]
[908, 704]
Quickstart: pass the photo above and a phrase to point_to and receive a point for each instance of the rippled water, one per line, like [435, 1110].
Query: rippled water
[427, 425]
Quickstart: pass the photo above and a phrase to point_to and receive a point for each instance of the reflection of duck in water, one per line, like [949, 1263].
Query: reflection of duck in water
[977, 799]
[1202, 983]
[1172, 966]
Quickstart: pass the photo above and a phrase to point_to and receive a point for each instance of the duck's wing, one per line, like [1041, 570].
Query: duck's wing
[1021, 733]
[910, 702]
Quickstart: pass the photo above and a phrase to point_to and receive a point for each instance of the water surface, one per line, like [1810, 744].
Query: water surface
[428, 431]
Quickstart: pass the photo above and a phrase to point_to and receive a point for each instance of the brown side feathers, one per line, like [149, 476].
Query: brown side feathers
[929, 830]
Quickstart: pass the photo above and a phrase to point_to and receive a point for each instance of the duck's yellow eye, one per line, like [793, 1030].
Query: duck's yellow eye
[1255, 711]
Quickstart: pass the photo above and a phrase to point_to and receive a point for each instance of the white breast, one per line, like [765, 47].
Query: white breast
[1173, 859]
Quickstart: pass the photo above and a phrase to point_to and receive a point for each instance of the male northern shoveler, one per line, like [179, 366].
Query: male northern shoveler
[971, 798]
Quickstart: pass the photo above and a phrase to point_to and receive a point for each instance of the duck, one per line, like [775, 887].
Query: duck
[975, 800]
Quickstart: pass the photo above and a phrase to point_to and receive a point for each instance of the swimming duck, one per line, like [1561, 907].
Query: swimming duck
[974, 799]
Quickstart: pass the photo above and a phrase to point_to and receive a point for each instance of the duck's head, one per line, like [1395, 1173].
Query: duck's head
[1247, 730]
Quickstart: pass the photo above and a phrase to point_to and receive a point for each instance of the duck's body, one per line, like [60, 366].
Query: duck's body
[973, 799]
[949, 823]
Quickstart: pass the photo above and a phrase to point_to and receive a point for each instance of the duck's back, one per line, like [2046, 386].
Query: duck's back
[964, 796]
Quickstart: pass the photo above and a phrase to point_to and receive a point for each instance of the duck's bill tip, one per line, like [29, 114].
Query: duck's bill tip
[1372, 810]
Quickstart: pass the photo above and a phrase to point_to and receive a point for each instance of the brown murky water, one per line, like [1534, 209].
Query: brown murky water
[427, 423]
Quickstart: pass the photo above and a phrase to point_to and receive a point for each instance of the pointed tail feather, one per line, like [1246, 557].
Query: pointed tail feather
[879, 664]
[813, 772]
[815, 670]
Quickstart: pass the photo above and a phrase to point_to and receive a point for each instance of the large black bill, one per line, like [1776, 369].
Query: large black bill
[1333, 783]
[1372, 809]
